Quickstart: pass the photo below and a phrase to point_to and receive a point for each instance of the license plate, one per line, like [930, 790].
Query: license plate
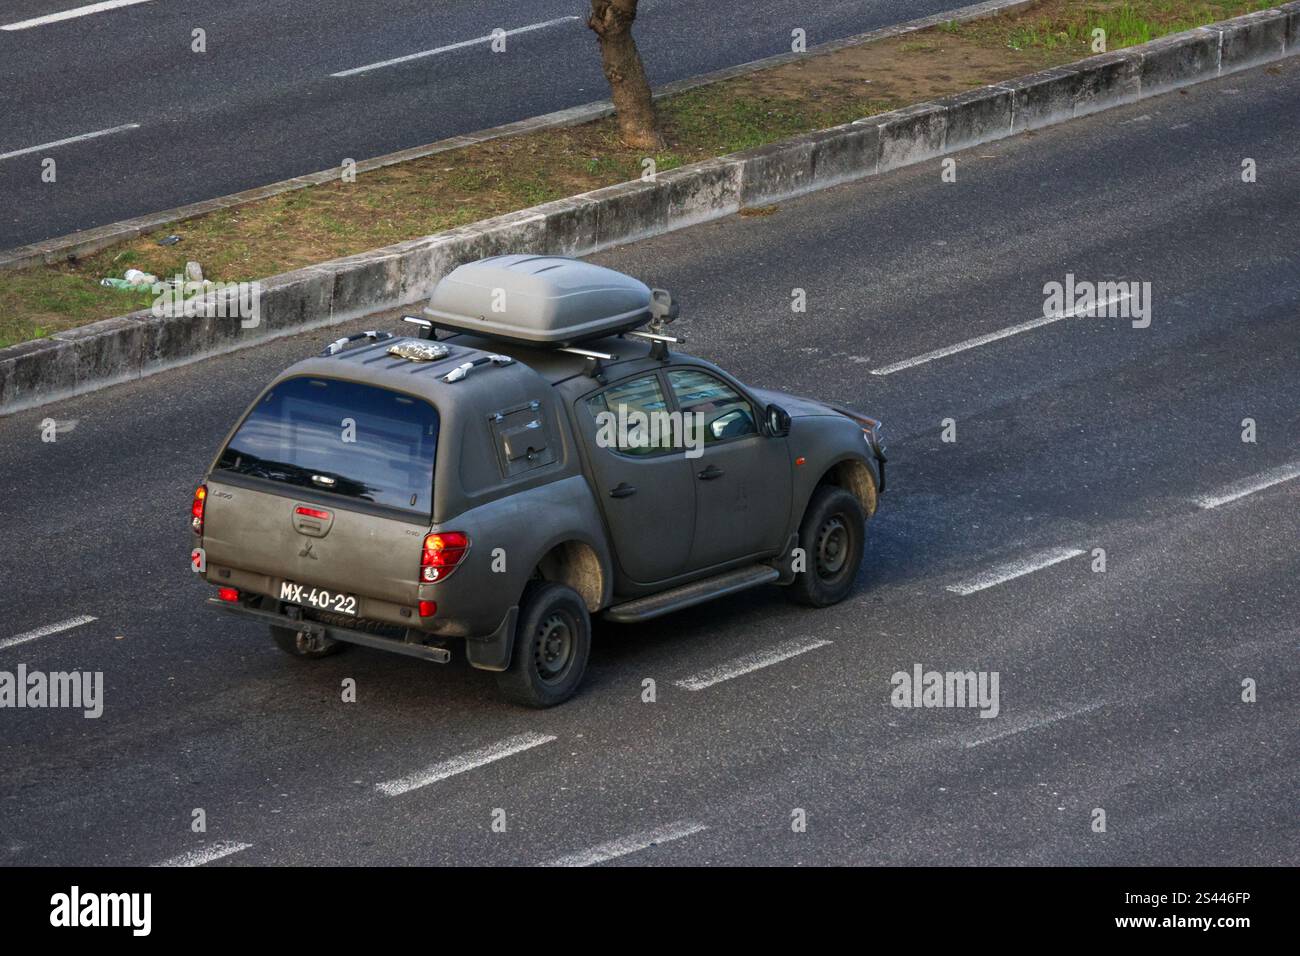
[322, 600]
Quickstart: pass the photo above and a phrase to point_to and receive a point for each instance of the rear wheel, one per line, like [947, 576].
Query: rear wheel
[302, 644]
[832, 536]
[552, 643]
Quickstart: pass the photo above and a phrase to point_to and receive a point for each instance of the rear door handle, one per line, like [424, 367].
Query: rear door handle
[623, 490]
[708, 474]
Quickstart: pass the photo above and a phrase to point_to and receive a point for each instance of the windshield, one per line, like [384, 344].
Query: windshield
[346, 438]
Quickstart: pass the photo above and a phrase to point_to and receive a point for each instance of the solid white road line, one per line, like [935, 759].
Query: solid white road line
[629, 844]
[453, 46]
[70, 139]
[71, 14]
[1248, 486]
[1015, 569]
[476, 758]
[1035, 725]
[993, 337]
[45, 631]
[749, 663]
[206, 855]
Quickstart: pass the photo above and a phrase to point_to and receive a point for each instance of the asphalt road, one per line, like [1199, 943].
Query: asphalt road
[1118, 690]
[261, 103]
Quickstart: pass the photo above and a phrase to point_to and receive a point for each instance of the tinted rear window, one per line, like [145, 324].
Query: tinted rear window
[354, 440]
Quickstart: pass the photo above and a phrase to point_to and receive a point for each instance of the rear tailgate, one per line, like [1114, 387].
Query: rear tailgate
[327, 483]
[369, 555]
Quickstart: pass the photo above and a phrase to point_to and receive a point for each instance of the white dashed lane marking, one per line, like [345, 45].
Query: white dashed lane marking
[70, 139]
[1037, 724]
[1248, 486]
[994, 336]
[45, 631]
[207, 854]
[1015, 569]
[469, 761]
[748, 664]
[452, 46]
[71, 14]
[629, 844]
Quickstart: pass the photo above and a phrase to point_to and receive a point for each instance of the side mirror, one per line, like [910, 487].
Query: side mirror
[778, 421]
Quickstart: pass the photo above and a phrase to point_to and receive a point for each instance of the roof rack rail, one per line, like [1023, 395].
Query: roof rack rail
[659, 346]
[591, 368]
[460, 371]
[338, 345]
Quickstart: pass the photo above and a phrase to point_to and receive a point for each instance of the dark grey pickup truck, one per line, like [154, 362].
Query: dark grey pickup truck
[539, 452]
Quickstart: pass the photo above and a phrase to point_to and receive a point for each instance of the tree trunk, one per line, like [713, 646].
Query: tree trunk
[612, 22]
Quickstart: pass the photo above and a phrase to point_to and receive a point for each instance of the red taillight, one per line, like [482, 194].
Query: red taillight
[228, 594]
[196, 509]
[428, 608]
[442, 552]
[312, 512]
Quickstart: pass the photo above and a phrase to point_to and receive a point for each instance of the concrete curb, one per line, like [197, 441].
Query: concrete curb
[140, 344]
[89, 241]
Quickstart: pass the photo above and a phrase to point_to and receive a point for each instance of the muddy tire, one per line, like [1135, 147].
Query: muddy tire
[552, 644]
[832, 535]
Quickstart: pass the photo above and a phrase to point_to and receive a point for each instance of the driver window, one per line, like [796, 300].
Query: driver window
[713, 406]
[632, 417]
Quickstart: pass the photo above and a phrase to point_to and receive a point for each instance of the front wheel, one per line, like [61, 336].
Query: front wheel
[832, 535]
[304, 645]
[552, 643]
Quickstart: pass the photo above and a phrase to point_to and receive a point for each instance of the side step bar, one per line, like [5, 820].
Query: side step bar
[436, 655]
[688, 595]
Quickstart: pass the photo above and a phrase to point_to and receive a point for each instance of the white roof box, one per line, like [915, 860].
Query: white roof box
[548, 301]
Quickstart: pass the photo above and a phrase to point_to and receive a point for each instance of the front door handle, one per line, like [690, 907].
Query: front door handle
[708, 474]
[623, 490]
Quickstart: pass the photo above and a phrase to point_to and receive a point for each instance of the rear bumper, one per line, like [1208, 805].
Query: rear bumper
[491, 652]
[425, 652]
[386, 611]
